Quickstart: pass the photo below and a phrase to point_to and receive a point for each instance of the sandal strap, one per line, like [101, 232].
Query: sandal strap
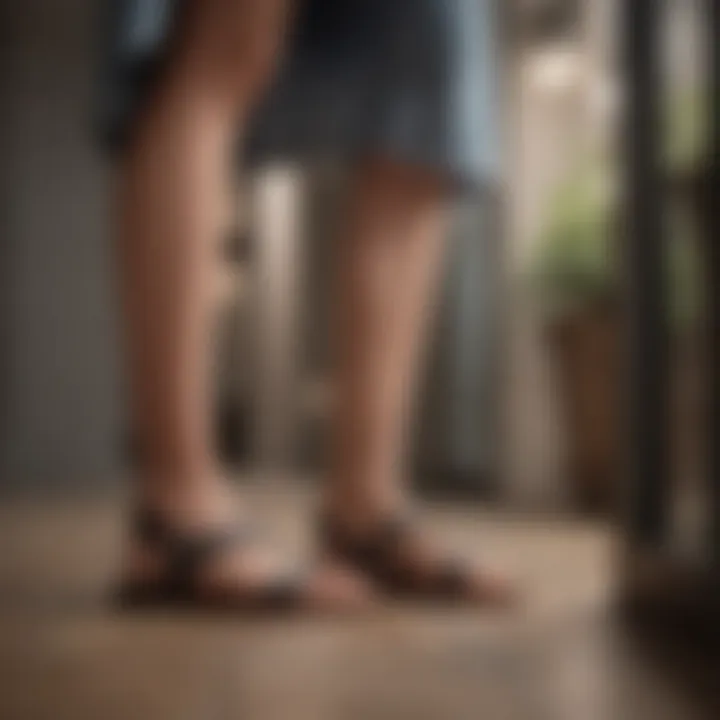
[285, 593]
[375, 553]
[380, 542]
[451, 580]
[187, 552]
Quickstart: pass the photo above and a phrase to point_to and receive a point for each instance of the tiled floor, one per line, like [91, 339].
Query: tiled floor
[64, 655]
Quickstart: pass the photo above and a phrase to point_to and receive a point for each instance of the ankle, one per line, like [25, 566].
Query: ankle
[188, 499]
[357, 512]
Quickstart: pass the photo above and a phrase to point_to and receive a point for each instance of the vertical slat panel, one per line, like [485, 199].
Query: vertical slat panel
[277, 202]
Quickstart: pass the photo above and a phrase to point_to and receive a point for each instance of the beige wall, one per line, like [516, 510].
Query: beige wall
[559, 102]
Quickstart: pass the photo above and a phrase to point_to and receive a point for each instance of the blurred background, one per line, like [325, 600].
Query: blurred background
[568, 414]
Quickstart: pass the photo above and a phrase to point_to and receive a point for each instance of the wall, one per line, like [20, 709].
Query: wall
[60, 399]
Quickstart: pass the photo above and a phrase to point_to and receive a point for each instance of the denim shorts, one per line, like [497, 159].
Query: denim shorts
[410, 79]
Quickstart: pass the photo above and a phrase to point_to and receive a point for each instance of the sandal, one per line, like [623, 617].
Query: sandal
[381, 555]
[186, 555]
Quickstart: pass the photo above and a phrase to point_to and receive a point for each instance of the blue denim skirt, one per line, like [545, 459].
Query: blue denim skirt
[413, 80]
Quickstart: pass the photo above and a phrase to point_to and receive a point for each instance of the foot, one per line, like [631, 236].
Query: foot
[401, 560]
[212, 562]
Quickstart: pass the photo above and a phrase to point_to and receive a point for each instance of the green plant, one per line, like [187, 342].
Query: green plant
[574, 269]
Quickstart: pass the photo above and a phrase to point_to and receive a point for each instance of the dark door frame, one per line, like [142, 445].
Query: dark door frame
[654, 584]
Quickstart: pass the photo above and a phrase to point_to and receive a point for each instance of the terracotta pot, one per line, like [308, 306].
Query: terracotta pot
[585, 358]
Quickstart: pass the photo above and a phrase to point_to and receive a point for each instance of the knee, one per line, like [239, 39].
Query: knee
[398, 182]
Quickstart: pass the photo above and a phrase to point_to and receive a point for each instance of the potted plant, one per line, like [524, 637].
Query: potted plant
[574, 276]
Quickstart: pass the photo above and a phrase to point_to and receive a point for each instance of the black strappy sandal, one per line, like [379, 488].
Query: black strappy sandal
[377, 554]
[184, 556]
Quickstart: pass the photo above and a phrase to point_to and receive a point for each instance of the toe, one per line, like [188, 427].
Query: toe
[334, 587]
[492, 589]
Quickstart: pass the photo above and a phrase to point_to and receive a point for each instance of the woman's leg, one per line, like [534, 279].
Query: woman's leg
[172, 188]
[389, 265]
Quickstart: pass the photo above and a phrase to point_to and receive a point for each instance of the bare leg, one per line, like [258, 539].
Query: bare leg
[388, 265]
[388, 268]
[172, 186]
